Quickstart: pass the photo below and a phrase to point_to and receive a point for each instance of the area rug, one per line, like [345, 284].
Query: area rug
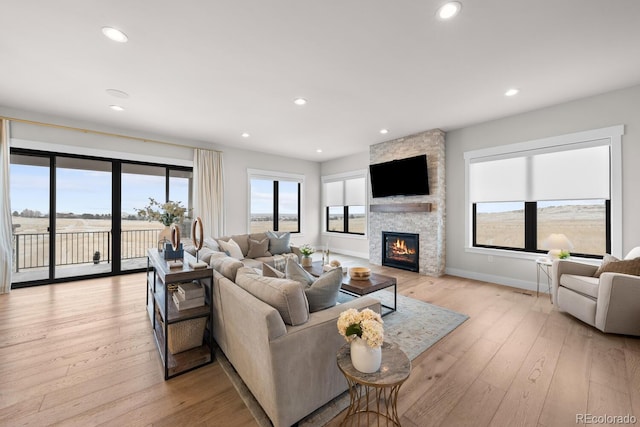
[415, 327]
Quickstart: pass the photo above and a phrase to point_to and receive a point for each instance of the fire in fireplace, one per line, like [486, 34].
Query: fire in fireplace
[400, 250]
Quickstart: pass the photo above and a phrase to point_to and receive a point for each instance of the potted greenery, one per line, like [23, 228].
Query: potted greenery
[306, 250]
[166, 213]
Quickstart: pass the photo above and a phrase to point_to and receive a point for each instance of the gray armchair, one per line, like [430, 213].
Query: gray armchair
[611, 303]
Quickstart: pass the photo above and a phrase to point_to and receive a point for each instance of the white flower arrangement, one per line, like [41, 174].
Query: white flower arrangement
[366, 324]
[306, 249]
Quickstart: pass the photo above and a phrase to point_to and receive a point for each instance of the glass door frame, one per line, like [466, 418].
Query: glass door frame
[116, 214]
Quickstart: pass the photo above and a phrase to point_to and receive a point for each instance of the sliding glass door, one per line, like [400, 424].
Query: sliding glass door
[29, 192]
[96, 229]
[84, 220]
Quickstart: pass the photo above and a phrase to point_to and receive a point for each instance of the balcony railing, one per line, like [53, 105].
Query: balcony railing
[31, 250]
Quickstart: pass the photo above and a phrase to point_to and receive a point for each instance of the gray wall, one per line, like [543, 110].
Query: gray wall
[613, 108]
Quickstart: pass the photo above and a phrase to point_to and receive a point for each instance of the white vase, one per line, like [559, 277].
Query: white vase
[364, 358]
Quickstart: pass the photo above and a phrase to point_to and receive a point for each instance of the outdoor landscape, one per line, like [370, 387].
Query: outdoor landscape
[584, 226]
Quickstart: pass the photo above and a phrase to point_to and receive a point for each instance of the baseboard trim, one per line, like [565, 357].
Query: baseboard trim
[500, 280]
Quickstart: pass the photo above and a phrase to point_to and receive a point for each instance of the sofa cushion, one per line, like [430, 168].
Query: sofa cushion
[321, 292]
[584, 285]
[232, 249]
[225, 265]
[258, 248]
[268, 271]
[630, 266]
[286, 296]
[279, 243]
[605, 260]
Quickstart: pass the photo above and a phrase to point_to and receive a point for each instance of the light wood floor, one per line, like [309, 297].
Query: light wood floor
[82, 354]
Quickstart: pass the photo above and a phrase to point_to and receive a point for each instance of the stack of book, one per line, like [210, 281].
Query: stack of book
[189, 295]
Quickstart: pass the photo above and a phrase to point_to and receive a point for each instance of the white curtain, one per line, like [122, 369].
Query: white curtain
[6, 235]
[208, 191]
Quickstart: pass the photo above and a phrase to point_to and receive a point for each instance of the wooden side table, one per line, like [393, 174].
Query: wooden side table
[374, 397]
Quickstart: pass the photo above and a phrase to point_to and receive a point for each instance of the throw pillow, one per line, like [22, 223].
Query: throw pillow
[605, 260]
[211, 244]
[630, 266]
[268, 271]
[286, 296]
[231, 248]
[258, 248]
[279, 243]
[294, 271]
[321, 292]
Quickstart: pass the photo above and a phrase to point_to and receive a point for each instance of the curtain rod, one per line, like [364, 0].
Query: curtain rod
[96, 132]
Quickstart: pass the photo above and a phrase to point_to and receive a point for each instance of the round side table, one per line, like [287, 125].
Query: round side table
[374, 396]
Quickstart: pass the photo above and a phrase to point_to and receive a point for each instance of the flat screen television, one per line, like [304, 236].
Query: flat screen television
[402, 177]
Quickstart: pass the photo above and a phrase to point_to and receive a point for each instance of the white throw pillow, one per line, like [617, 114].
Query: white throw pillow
[231, 248]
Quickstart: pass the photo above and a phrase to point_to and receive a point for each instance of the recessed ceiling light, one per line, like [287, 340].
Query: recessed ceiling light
[116, 108]
[449, 10]
[511, 92]
[319, 150]
[384, 131]
[117, 93]
[245, 135]
[300, 101]
[115, 34]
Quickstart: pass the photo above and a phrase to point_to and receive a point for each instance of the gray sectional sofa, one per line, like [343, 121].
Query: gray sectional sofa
[284, 354]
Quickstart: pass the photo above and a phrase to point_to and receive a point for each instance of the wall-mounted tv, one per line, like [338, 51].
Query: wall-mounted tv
[402, 177]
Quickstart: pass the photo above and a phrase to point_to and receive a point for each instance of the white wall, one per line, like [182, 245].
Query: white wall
[614, 108]
[343, 243]
[236, 163]
[180, 152]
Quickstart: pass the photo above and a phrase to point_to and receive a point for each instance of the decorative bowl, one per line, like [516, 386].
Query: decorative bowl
[360, 273]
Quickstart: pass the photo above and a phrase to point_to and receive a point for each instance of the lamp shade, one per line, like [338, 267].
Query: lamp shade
[557, 243]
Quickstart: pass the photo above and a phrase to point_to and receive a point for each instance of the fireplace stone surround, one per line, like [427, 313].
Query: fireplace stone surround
[399, 213]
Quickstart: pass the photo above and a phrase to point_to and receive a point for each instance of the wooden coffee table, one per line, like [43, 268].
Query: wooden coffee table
[360, 288]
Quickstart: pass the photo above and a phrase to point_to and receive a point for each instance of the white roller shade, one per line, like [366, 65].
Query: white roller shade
[500, 180]
[334, 193]
[575, 174]
[565, 174]
[355, 190]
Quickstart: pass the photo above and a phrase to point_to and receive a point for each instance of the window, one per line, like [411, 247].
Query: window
[520, 194]
[274, 201]
[344, 201]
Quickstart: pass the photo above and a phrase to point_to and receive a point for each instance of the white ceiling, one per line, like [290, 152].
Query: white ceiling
[210, 70]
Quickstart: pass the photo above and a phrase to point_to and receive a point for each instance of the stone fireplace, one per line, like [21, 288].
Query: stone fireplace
[401, 250]
[424, 215]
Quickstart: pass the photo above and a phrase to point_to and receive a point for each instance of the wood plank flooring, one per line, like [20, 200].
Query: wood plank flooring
[82, 354]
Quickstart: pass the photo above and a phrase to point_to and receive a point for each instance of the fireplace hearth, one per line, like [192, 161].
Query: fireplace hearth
[401, 250]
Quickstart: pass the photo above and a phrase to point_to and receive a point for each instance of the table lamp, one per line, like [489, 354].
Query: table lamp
[556, 243]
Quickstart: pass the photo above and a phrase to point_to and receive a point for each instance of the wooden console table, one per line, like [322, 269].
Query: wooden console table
[163, 312]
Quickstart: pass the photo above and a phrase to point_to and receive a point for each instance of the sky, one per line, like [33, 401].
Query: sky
[82, 191]
[262, 197]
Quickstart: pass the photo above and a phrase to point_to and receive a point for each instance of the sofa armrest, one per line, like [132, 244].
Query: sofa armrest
[564, 266]
[296, 250]
[618, 307]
